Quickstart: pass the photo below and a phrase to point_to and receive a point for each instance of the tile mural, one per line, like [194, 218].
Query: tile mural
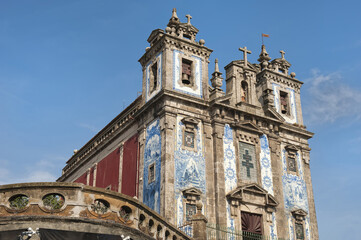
[189, 168]
[230, 174]
[293, 117]
[248, 162]
[295, 193]
[266, 176]
[152, 154]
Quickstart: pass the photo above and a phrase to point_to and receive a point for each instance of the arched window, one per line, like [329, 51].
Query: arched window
[244, 91]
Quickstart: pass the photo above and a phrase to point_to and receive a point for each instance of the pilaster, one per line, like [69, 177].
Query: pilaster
[210, 169]
[276, 161]
[219, 183]
[311, 201]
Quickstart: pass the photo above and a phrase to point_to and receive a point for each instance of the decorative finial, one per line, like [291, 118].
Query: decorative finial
[216, 79]
[263, 57]
[282, 54]
[174, 20]
[216, 68]
[174, 13]
[245, 52]
[189, 17]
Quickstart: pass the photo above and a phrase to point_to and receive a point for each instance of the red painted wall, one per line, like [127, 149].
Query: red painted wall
[82, 179]
[91, 176]
[108, 171]
[130, 167]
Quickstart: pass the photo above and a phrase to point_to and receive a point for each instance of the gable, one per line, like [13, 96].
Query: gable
[252, 194]
[247, 125]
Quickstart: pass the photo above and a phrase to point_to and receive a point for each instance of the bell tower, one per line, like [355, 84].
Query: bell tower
[176, 61]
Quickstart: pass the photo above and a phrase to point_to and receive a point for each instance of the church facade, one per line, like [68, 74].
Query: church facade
[242, 153]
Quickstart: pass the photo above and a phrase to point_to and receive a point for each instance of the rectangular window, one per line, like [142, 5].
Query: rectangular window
[188, 140]
[292, 165]
[153, 81]
[151, 173]
[284, 102]
[186, 72]
[299, 231]
[191, 209]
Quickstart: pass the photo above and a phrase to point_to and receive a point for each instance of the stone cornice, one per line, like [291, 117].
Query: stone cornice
[279, 78]
[181, 44]
[304, 133]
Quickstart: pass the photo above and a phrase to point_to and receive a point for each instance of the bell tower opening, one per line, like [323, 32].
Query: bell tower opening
[186, 72]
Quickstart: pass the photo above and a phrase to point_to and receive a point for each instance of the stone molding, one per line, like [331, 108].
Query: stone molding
[267, 75]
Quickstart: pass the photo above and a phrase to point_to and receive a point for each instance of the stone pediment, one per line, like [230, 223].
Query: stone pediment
[299, 214]
[190, 122]
[192, 195]
[252, 194]
[224, 99]
[292, 147]
[192, 191]
[248, 125]
[271, 112]
[154, 34]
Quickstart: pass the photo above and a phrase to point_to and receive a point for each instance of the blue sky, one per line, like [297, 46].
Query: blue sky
[69, 67]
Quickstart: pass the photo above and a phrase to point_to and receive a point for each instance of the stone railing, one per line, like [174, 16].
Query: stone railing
[58, 206]
[102, 137]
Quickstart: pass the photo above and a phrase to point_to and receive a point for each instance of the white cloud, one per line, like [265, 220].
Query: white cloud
[89, 127]
[47, 169]
[40, 176]
[331, 99]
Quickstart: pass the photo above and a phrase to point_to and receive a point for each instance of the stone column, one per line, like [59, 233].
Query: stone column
[199, 224]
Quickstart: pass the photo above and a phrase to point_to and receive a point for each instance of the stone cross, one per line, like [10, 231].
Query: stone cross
[247, 163]
[282, 54]
[245, 52]
[189, 17]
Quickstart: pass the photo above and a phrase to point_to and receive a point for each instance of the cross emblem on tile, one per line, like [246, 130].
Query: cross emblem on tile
[247, 163]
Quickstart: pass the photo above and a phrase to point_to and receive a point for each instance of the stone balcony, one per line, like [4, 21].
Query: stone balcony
[76, 208]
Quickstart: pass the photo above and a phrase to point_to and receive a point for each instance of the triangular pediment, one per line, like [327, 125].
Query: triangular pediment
[291, 147]
[190, 120]
[247, 125]
[252, 192]
[154, 34]
[299, 212]
[192, 191]
[271, 112]
[224, 99]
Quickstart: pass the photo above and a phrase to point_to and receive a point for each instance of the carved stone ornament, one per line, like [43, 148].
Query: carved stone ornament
[190, 123]
[299, 215]
[247, 125]
[252, 194]
[291, 148]
[192, 194]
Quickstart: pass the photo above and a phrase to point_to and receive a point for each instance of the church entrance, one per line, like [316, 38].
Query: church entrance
[251, 226]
